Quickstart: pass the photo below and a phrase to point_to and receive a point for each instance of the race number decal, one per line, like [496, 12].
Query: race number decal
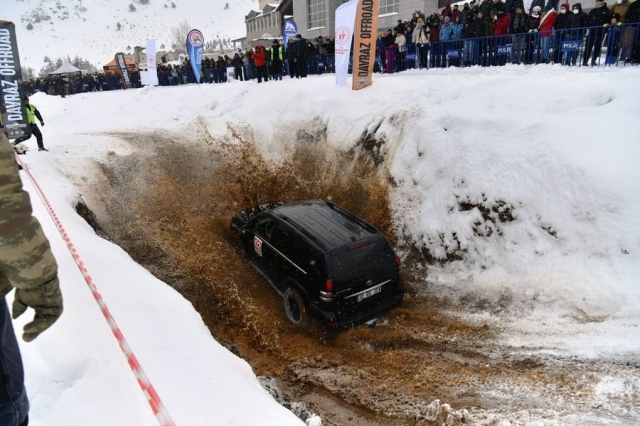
[257, 245]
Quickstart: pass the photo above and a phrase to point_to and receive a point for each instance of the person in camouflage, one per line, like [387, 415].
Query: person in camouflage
[26, 264]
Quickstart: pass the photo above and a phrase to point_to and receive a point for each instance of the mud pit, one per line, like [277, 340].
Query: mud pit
[429, 362]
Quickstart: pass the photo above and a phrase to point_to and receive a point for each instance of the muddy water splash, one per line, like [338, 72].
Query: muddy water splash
[169, 205]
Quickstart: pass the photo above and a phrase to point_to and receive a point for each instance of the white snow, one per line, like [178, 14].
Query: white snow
[559, 144]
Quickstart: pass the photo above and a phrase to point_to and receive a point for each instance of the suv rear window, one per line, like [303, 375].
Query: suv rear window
[367, 260]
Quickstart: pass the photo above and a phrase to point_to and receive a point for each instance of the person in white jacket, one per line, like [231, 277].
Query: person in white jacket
[422, 47]
[401, 42]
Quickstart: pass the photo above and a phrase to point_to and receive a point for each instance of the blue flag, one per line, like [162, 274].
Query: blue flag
[195, 43]
[290, 31]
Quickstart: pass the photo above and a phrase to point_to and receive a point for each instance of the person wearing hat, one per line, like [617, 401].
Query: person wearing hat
[300, 54]
[576, 22]
[260, 59]
[533, 25]
[32, 114]
[560, 31]
[598, 16]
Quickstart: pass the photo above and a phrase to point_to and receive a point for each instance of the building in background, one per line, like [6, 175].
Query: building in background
[317, 17]
[266, 24]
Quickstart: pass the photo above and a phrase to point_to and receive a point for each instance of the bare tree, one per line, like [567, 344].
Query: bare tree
[179, 37]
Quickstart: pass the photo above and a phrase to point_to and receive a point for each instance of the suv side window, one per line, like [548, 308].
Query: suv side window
[298, 251]
[265, 227]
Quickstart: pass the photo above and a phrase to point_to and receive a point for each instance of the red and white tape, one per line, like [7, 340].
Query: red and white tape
[156, 404]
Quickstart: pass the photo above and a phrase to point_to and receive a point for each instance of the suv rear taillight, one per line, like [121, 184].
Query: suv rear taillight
[326, 294]
[398, 261]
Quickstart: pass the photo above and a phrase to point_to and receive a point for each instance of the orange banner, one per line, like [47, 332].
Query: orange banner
[364, 46]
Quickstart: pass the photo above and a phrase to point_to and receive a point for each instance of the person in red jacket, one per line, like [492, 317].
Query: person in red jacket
[260, 60]
[547, 23]
[500, 26]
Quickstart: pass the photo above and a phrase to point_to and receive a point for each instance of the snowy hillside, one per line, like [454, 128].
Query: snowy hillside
[96, 30]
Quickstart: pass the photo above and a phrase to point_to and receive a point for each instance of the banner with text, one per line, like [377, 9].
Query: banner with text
[152, 72]
[345, 21]
[14, 117]
[289, 32]
[122, 69]
[195, 44]
[364, 55]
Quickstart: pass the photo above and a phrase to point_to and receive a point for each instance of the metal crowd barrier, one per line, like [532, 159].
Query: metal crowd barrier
[589, 46]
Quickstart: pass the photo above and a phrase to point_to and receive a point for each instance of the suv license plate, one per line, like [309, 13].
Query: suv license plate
[369, 293]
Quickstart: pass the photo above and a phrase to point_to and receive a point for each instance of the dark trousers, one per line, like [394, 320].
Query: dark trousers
[14, 405]
[238, 73]
[34, 131]
[262, 73]
[301, 67]
[594, 44]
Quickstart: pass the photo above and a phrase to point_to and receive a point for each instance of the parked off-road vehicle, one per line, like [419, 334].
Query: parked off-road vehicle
[325, 262]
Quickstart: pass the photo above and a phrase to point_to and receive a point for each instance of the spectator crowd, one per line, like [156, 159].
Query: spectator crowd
[485, 33]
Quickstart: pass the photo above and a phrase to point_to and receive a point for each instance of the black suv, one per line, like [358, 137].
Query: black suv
[325, 262]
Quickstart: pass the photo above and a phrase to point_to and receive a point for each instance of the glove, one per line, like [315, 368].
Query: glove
[530, 31]
[535, 31]
[619, 24]
[606, 25]
[46, 300]
[42, 123]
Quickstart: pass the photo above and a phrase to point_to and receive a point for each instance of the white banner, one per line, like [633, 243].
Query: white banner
[152, 72]
[345, 22]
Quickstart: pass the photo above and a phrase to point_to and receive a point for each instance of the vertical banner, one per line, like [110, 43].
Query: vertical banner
[364, 55]
[290, 31]
[14, 117]
[345, 20]
[122, 69]
[195, 43]
[152, 72]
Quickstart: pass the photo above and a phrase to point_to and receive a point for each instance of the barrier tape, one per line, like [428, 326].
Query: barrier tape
[147, 388]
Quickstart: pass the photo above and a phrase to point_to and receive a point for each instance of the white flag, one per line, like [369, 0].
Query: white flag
[345, 22]
[152, 72]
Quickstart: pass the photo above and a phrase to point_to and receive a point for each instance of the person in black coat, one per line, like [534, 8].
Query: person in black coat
[532, 25]
[300, 54]
[598, 16]
[633, 46]
[560, 27]
[518, 28]
[575, 33]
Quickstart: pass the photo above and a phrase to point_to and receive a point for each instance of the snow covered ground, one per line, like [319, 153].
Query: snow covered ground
[553, 149]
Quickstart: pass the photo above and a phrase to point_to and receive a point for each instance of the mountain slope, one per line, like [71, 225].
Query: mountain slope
[89, 28]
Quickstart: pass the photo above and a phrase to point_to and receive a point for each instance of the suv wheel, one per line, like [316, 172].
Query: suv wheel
[294, 307]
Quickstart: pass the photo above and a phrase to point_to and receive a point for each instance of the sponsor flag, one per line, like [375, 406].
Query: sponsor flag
[14, 117]
[195, 43]
[364, 55]
[122, 69]
[345, 21]
[290, 31]
[152, 72]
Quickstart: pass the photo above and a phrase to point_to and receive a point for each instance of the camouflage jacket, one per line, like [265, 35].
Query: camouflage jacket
[26, 260]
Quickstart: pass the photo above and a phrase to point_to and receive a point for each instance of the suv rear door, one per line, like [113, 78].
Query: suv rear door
[364, 272]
